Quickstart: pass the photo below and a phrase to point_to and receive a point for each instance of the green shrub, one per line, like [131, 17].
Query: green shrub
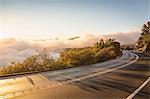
[101, 51]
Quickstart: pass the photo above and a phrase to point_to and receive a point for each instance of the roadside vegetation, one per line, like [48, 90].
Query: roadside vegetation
[143, 43]
[70, 57]
[127, 47]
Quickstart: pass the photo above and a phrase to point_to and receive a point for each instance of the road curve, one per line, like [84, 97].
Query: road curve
[118, 79]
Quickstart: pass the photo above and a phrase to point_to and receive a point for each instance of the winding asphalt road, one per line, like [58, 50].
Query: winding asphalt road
[126, 77]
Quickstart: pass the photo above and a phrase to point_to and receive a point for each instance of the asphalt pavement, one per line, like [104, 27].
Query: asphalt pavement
[121, 78]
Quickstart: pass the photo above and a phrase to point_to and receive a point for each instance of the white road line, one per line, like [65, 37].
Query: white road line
[94, 74]
[138, 90]
[99, 73]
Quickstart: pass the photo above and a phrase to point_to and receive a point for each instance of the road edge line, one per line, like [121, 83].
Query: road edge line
[139, 89]
[99, 73]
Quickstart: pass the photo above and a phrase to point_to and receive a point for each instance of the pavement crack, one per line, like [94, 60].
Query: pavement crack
[30, 81]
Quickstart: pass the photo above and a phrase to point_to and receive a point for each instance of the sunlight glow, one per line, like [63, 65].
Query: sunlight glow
[2, 35]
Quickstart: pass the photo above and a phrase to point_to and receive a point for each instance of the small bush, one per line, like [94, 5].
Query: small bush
[101, 51]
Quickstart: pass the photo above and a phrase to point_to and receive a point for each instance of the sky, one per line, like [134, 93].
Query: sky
[23, 23]
[45, 19]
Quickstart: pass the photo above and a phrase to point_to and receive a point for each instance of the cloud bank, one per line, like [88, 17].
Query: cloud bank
[16, 50]
[124, 38]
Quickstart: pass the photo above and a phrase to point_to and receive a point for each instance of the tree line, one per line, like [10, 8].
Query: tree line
[143, 43]
[103, 50]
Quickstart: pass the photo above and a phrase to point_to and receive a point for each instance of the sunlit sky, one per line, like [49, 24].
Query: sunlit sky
[44, 19]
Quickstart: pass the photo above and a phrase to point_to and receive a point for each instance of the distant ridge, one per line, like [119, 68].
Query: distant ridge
[73, 38]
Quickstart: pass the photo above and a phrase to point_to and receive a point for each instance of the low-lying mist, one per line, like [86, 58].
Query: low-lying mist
[16, 50]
